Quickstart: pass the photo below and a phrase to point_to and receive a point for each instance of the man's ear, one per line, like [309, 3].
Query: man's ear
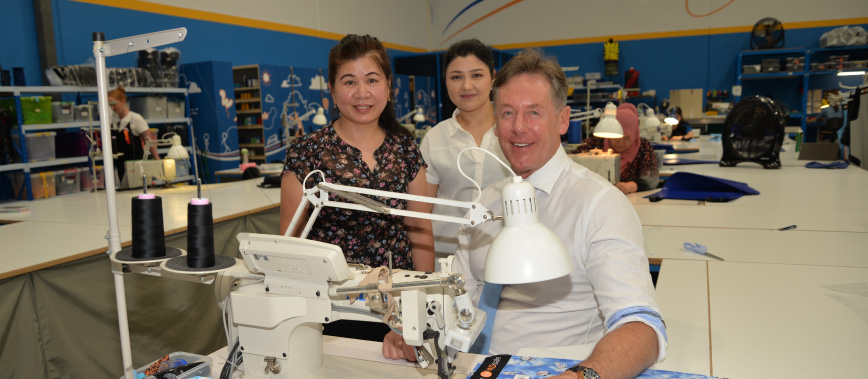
[564, 120]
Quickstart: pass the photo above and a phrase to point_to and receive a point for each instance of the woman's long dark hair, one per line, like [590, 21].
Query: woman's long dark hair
[354, 47]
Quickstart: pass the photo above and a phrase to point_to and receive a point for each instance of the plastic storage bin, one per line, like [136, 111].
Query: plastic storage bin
[40, 146]
[85, 179]
[175, 108]
[204, 369]
[150, 106]
[71, 144]
[67, 181]
[37, 109]
[83, 113]
[100, 177]
[62, 111]
[42, 184]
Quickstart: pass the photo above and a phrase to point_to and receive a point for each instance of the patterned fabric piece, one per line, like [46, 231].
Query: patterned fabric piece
[643, 169]
[364, 237]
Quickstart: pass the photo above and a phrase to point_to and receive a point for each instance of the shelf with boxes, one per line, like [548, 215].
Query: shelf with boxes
[58, 134]
[248, 108]
[776, 71]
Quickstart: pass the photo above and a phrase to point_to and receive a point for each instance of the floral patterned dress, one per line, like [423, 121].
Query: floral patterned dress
[364, 237]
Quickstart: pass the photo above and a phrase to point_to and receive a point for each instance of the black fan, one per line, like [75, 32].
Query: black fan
[753, 132]
[767, 33]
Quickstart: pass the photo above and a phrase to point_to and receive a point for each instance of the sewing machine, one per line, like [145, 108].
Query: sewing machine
[156, 172]
[291, 286]
[605, 163]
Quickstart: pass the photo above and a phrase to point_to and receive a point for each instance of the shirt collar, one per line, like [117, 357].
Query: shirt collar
[544, 179]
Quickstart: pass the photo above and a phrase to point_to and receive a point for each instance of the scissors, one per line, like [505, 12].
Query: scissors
[700, 249]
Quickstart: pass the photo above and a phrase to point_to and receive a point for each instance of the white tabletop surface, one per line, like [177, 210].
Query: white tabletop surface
[69, 227]
[682, 293]
[759, 246]
[778, 321]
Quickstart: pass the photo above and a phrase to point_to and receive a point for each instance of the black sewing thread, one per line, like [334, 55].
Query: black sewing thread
[148, 238]
[200, 236]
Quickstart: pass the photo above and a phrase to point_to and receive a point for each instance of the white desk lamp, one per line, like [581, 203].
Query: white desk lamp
[418, 115]
[319, 119]
[609, 127]
[524, 251]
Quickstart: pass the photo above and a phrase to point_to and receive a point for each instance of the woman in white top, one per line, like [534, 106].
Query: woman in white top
[468, 69]
[129, 131]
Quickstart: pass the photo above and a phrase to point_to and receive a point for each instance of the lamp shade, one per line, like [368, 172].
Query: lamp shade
[651, 121]
[524, 251]
[671, 118]
[609, 127]
[320, 118]
[177, 151]
[419, 116]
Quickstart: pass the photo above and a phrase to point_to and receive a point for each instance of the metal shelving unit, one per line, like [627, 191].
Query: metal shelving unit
[23, 129]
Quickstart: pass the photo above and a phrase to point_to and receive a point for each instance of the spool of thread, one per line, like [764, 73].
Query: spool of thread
[148, 238]
[200, 234]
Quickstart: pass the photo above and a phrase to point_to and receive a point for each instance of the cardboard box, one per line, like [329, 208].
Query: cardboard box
[690, 101]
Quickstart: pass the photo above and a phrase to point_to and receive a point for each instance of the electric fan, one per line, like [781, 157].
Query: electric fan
[767, 33]
[753, 132]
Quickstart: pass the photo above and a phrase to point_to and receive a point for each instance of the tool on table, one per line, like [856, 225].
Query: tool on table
[700, 249]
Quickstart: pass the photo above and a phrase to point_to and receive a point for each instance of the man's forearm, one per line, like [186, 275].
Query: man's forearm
[625, 352]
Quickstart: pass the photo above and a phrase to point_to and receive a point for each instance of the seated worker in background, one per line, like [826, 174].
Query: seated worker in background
[638, 162]
[608, 299]
[831, 118]
[468, 68]
[681, 130]
[129, 131]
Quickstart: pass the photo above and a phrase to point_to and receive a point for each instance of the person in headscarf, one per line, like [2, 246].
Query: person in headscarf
[638, 162]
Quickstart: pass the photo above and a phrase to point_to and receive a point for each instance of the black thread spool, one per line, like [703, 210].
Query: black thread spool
[200, 257]
[148, 239]
[200, 234]
[149, 242]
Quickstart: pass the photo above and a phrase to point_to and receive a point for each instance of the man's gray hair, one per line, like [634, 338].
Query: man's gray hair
[534, 61]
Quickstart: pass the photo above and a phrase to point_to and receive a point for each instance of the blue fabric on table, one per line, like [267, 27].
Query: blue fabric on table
[833, 165]
[689, 186]
[681, 161]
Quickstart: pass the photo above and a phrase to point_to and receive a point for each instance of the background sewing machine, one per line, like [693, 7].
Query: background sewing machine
[605, 163]
[158, 172]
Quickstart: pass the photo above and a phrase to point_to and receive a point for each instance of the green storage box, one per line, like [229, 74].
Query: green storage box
[37, 109]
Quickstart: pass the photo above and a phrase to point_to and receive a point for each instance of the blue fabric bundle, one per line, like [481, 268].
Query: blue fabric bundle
[688, 186]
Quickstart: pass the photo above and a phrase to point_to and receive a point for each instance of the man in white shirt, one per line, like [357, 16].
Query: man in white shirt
[609, 298]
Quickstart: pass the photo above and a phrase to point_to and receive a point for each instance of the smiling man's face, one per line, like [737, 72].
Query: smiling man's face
[529, 125]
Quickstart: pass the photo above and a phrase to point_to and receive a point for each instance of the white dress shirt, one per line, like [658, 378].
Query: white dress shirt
[440, 148]
[610, 284]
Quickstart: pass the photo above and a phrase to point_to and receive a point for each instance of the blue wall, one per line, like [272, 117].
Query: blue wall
[707, 62]
[18, 44]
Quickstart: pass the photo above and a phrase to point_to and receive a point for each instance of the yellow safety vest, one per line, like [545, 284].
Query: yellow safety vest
[610, 51]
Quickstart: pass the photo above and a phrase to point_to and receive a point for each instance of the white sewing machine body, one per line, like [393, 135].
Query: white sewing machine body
[308, 283]
[605, 163]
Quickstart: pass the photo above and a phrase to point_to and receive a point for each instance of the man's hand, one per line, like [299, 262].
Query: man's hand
[395, 348]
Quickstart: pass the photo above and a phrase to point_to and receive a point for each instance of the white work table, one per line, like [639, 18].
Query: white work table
[794, 246]
[69, 227]
[778, 321]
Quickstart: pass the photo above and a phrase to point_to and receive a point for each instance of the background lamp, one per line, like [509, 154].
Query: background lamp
[418, 115]
[671, 118]
[288, 124]
[524, 251]
[177, 151]
[609, 127]
[850, 73]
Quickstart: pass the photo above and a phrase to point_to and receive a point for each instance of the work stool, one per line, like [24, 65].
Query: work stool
[831, 129]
